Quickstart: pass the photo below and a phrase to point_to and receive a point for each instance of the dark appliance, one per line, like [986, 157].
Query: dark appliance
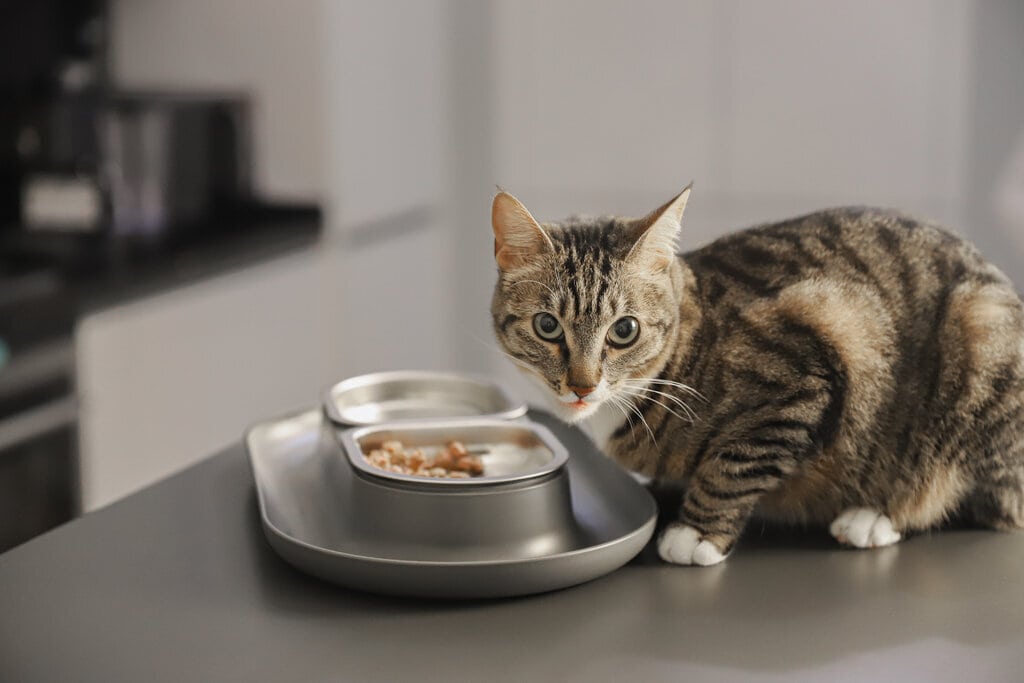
[53, 56]
[80, 156]
[134, 164]
[39, 483]
[171, 161]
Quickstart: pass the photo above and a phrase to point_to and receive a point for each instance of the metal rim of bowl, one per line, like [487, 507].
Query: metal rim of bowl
[357, 460]
[330, 407]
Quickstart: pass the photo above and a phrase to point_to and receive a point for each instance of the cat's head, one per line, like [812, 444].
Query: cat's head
[587, 306]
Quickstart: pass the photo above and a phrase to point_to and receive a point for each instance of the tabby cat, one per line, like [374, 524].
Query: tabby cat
[854, 367]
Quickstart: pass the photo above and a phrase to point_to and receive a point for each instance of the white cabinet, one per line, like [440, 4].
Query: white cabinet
[169, 379]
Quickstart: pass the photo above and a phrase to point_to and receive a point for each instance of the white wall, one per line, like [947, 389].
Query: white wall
[995, 181]
[268, 48]
[771, 108]
[385, 90]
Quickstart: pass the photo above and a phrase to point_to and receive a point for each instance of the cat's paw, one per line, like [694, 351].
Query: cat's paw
[682, 544]
[864, 528]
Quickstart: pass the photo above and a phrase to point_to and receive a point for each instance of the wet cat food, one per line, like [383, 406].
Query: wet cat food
[451, 461]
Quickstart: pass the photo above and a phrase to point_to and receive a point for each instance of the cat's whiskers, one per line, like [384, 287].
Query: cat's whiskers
[645, 397]
[690, 412]
[679, 385]
[671, 396]
[622, 405]
[619, 402]
[636, 411]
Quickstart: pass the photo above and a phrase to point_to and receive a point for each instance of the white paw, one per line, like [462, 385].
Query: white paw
[682, 544]
[864, 528]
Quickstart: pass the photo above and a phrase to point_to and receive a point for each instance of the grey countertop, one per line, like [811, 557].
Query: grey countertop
[177, 583]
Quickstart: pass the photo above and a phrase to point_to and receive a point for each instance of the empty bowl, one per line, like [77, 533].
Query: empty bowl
[416, 395]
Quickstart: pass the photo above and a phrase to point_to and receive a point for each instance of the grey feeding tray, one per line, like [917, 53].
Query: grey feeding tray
[334, 521]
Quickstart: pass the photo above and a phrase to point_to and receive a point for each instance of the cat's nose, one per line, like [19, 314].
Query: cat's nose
[582, 391]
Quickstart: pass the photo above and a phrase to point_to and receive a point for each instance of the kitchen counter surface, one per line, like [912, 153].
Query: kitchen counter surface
[177, 583]
[94, 271]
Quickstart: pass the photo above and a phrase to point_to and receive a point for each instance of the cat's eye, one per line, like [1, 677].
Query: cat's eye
[547, 327]
[624, 331]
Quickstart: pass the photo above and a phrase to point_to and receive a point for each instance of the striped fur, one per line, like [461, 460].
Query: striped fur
[848, 358]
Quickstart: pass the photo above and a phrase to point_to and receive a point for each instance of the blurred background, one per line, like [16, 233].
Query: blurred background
[212, 209]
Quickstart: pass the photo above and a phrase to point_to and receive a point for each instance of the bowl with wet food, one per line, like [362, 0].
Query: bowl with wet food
[483, 487]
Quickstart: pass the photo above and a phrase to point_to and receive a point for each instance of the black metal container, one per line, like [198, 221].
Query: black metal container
[171, 161]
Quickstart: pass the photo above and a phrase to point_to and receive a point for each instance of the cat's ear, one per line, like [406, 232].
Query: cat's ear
[658, 232]
[518, 237]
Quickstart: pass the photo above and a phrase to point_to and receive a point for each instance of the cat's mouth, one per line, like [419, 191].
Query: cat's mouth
[577, 403]
[572, 399]
[576, 407]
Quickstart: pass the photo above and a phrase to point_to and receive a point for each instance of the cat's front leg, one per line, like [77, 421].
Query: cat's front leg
[718, 503]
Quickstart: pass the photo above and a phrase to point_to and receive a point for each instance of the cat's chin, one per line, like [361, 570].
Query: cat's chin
[571, 413]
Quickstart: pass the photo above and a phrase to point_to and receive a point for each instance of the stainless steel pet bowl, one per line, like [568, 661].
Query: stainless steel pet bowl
[417, 395]
[519, 507]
